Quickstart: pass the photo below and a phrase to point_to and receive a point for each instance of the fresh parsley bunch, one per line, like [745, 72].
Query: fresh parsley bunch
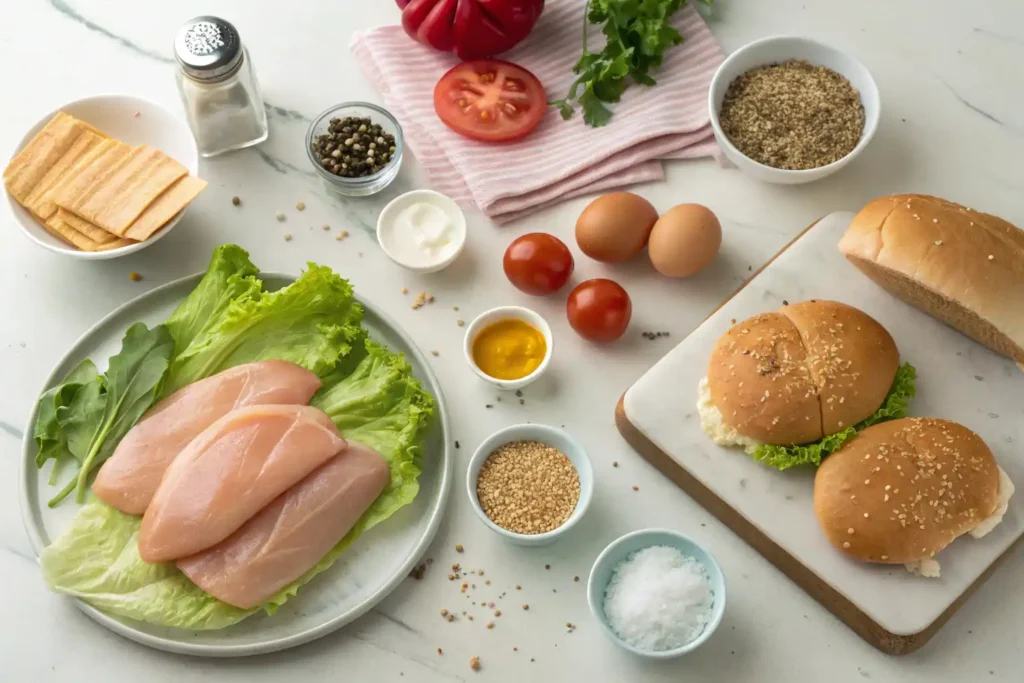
[638, 33]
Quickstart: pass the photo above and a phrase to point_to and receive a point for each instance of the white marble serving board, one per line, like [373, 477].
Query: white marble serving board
[957, 379]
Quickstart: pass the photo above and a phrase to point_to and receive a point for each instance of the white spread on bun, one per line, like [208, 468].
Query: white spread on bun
[794, 376]
[901, 491]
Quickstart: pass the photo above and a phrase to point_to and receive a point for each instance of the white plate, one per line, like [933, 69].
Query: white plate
[130, 119]
[364, 575]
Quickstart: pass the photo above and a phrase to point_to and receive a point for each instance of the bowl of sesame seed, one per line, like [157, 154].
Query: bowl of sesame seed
[790, 110]
[530, 483]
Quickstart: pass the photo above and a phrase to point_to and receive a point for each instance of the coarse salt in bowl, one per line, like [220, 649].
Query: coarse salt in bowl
[556, 438]
[774, 50]
[625, 547]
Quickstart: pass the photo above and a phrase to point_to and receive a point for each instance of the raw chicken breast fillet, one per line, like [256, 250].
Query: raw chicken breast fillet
[128, 480]
[232, 471]
[289, 536]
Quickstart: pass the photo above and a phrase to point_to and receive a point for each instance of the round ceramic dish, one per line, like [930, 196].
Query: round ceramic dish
[498, 314]
[368, 185]
[622, 548]
[130, 119]
[368, 571]
[776, 49]
[446, 204]
[546, 435]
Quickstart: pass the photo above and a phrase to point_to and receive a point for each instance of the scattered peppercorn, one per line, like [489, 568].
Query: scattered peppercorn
[615, 463]
[236, 200]
[439, 651]
[576, 579]
[547, 566]
[456, 444]
[418, 571]
[134, 277]
[353, 147]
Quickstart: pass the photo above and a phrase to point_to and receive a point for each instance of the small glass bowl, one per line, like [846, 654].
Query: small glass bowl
[367, 185]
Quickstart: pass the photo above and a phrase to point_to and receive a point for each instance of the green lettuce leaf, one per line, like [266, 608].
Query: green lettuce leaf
[375, 401]
[231, 276]
[894, 407]
[311, 322]
[97, 559]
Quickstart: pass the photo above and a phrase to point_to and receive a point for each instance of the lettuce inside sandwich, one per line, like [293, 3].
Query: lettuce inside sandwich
[792, 386]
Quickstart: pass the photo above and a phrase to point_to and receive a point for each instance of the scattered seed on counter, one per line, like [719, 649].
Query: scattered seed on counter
[460, 322]
[450, 617]
[490, 624]
[547, 566]
[480, 572]
[525, 606]
[522, 401]
[518, 587]
[576, 579]
[458, 548]
[326, 228]
[440, 651]
[455, 308]
[300, 206]
[444, 612]
[236, 200]
[422, 299]
[487, 582]
[134, 277]
[474, 663]
[636, 488]
[435, 353]
[279, 216]
[418, 571]
[519, 393]
[287, 237]
[497, 612]
[457, 445]
[528, 487]
[470, 617]
[488, 406]
[615, 463]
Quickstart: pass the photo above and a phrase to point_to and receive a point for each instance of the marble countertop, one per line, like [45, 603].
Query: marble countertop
[949, 74]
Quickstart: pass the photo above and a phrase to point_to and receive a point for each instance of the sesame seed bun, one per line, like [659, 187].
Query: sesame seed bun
[901, 491]
[803, 372]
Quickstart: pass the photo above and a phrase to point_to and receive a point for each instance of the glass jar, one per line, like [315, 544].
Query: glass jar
[218, 87]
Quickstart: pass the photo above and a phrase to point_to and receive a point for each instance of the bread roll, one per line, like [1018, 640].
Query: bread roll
[901, 491]
[963, 267]
[795, 375]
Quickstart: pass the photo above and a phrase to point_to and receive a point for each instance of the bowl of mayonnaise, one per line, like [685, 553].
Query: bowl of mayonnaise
[423, 231]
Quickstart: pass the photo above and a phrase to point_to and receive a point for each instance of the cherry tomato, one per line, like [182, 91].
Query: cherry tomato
[538, 263]
[490, 100]
[599, 310]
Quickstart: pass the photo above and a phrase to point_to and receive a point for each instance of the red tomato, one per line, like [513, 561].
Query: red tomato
[538, 263]
[472, 29]
[490, 100]
[599, 310]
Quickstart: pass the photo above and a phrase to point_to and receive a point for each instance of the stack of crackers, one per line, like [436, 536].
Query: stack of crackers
[94, 192]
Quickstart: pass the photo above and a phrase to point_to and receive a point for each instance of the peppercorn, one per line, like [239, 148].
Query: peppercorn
[352, 147]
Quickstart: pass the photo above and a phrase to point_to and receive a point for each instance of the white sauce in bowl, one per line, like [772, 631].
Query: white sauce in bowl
[422, 230]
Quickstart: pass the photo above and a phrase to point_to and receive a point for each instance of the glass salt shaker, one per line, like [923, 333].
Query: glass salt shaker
[218, 87]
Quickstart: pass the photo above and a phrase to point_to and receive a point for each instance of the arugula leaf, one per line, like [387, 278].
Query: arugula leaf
[50, 440]
[637, 33]
[105, 408]
[894, 407]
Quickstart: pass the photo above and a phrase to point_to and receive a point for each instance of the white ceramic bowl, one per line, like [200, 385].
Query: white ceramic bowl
[622, 548]
[553, 437]
[133, 120]
[446, 204]
[504, 313]
[773, 50]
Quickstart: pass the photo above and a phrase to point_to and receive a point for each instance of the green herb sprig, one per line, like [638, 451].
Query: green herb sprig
[638, 33]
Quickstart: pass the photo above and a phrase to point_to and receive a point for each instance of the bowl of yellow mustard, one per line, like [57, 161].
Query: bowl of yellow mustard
[509, 346]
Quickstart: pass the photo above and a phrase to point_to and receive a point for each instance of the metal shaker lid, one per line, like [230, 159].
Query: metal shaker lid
[207, 48]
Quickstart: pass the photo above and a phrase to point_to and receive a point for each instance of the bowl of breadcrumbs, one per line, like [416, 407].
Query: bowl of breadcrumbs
[530, 483]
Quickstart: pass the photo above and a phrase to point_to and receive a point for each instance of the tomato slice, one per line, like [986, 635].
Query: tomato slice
[490, 100]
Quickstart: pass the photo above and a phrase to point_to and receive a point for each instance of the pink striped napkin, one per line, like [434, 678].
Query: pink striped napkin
[560, 159]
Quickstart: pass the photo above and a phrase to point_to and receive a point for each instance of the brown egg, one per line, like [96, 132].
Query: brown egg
[685, 240]
[615, 227]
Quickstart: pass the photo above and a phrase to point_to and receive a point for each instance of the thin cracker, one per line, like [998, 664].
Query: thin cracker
[165, 207]
[93, 232]
[121, 197]
[30, 165]
[38, 201]
[61, 229]
[80, 184]
[116, 244]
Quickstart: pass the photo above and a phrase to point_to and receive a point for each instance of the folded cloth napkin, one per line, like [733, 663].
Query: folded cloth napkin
[559, 159]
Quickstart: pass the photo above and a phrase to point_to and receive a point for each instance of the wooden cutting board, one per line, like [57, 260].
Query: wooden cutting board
[958, 379]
